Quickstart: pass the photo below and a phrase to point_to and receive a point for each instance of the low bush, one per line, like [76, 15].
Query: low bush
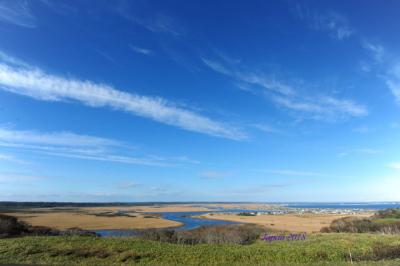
[361, 225]
[247, 214]
[388, 213]
[352, 225]
[11, 227]
[385, 252]
[218, 234]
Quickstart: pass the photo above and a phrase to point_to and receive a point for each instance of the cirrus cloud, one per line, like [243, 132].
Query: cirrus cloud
[37, 84]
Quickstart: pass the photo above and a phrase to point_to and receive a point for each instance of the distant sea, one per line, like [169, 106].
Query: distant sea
[343, 205]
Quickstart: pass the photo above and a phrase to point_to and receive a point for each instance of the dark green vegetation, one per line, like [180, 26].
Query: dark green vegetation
[247, 214]
[242, 234]
[111, 214]
[388, 214]
[11, 227]
[384, 221]
[319, 249]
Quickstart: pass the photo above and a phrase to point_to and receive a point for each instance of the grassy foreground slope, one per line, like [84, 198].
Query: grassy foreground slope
[320, 249]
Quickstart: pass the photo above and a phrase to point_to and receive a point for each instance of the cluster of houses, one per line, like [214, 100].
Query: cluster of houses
[303, 211]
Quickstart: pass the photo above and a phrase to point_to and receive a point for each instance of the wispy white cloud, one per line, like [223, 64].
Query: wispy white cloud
[267, 128]
[365, 151]
[217, 66]
[160, 23]
[6, 58]
[16, 177]
[299, 173]
[323, 107]
[106, 56]
[11, 158]
[388, 68]
[394, 165]
[268, 83]
[157, 23]
[127, 185]
[71, 145]
[17, 12]
[60, 7]
[319, 107]
[392, 80]
[294, 173]
[35, 83]
[141, 50]
[215, 174]
[328, 21]
[55, 138]
[377, 51]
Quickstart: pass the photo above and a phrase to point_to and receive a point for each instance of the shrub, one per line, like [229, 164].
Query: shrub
[10, 226]
[217, 234]
[42, 231]
[392, 228]
[247, 214]
[361, 225]
[352, 225]
[76, 231]
[384, 251]
[388, 213]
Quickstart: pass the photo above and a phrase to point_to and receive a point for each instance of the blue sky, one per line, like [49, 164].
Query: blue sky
[199, 100]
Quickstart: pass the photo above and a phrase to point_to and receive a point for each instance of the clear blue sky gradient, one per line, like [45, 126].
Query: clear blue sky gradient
[199, 100]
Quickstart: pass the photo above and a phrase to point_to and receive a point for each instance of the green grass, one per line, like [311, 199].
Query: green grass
[318, 249]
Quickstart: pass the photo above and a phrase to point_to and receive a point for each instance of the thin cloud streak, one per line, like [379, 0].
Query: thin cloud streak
[333, 23]
[70, 145]
[159, 23]
[395, 165]
[392, 81]
[127, 185]
[215, 174]
[140, 50]
[251, 78]
[35, 83]
[323, 108]
[268, 129]
[19, 177]
[10, 158]
[390, 68]
[284, 95]
[296, 173]
[377, 51]
[54, 138]
[364, 151]
[17, 12]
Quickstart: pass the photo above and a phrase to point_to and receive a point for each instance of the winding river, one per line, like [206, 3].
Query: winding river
[185, 218]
